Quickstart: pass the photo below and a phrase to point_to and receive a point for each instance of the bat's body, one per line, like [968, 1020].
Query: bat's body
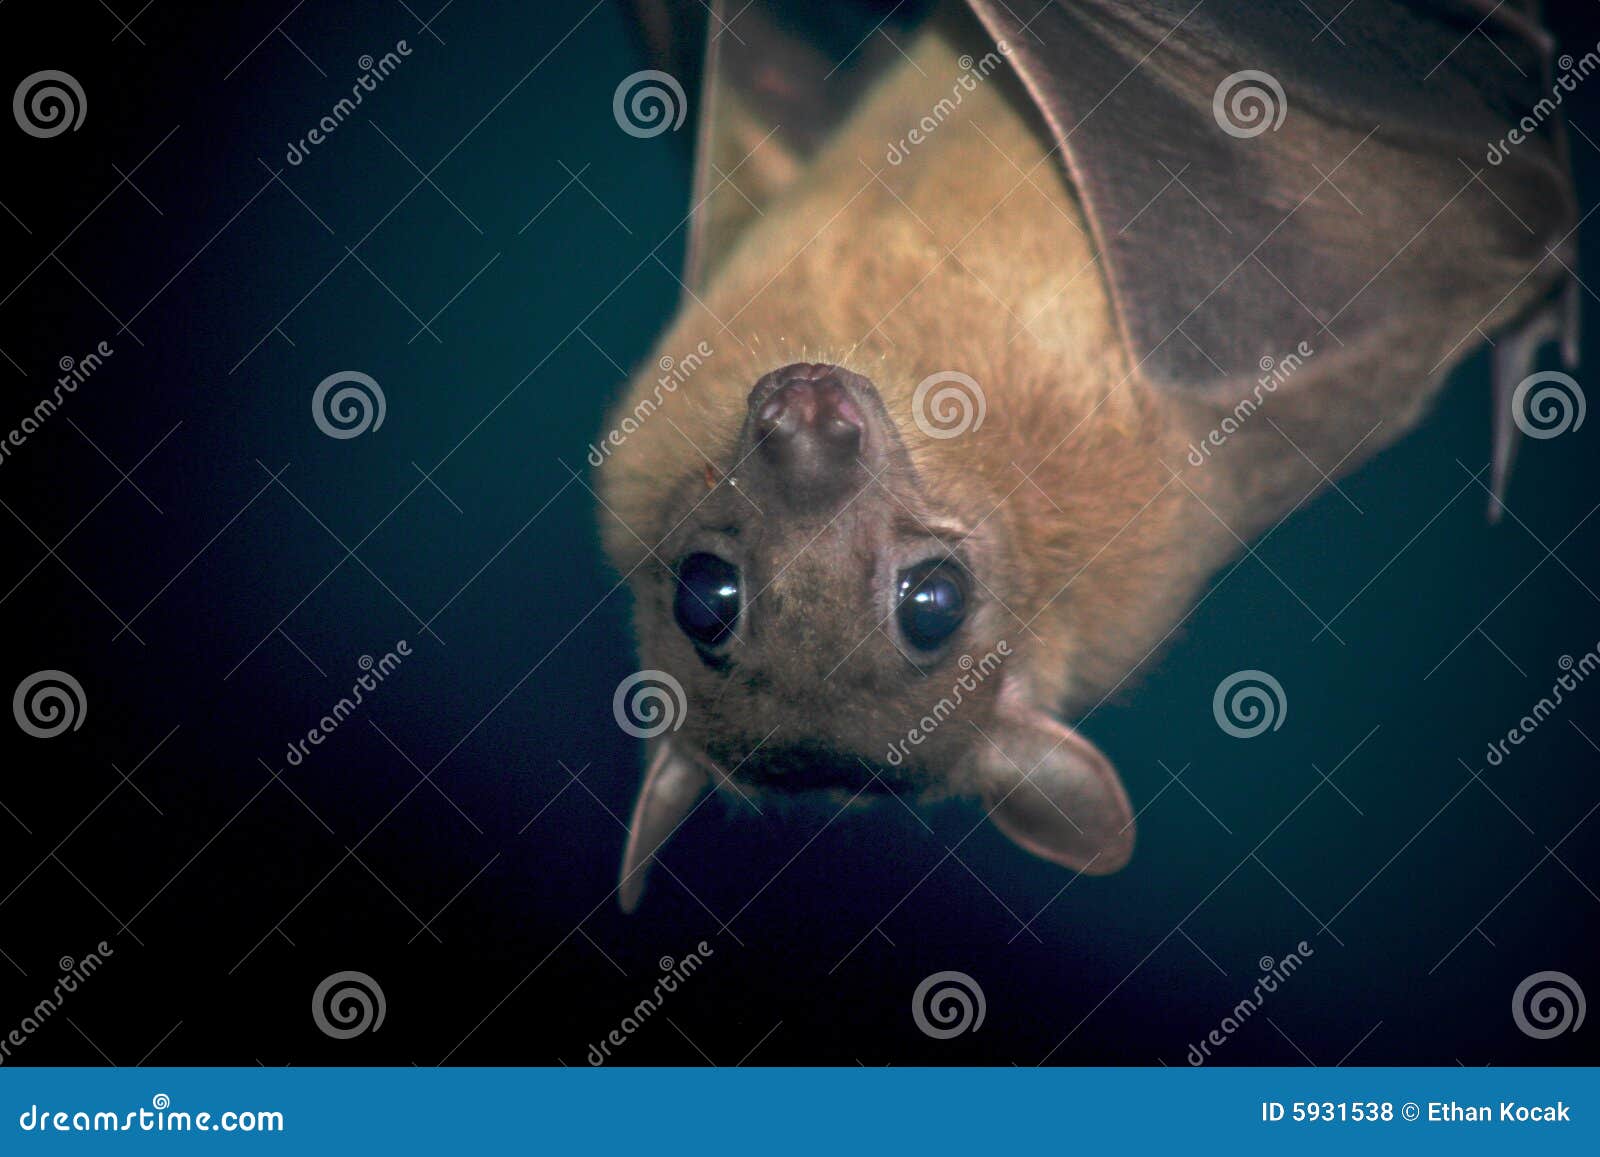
[1075, 523]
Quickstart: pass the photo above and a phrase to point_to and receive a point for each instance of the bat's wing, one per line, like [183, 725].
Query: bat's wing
[1256, 176]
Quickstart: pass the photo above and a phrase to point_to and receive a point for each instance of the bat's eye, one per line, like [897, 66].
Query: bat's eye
[707, 602]
[933, 603]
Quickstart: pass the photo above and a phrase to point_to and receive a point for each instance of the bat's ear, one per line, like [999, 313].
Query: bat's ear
[672, 785]
[1054, 794]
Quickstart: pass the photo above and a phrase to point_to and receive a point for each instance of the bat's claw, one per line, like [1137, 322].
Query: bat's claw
[1555, 319]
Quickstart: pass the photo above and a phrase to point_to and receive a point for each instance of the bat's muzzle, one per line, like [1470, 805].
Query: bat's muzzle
[813, 425]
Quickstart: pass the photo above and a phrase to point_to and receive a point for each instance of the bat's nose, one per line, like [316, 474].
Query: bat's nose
[809, 427]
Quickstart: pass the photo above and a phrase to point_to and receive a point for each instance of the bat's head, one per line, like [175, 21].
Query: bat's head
[813, 621]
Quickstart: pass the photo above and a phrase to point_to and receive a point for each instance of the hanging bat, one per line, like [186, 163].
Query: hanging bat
[1001, 334]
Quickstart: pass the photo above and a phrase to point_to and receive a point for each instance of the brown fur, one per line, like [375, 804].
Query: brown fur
[1087, 529]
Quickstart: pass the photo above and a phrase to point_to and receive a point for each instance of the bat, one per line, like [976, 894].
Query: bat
[1003, 331]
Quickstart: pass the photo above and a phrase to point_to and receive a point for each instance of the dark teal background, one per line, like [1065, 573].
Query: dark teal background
[228, 894]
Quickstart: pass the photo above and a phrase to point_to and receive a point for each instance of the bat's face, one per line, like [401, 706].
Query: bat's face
[814, 604]
[837, 631]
